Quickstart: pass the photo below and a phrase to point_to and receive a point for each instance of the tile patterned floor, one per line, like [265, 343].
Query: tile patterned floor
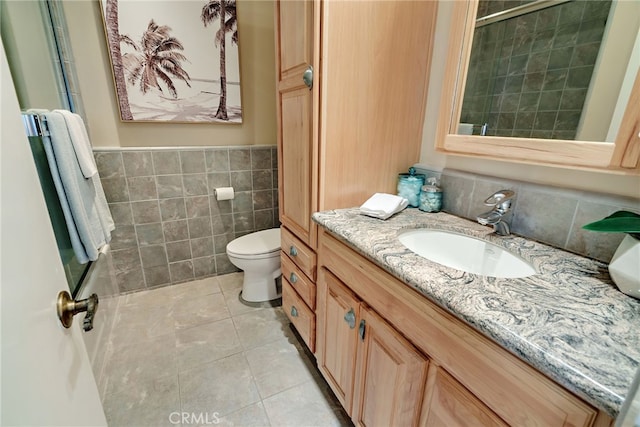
[193, 354]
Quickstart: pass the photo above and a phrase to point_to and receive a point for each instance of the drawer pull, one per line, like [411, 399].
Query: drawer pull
[293, 251]
[294, 311]
[361, 329]
[350, 318]
[293, 278]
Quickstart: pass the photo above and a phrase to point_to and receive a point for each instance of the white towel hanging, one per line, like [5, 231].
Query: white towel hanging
[80, 142]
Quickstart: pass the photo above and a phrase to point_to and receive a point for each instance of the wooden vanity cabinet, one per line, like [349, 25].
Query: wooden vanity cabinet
[390, 375]
[377, 375]
[359, 124]
[298, 264]
[471, 380]
[337, 336]
[449, 404]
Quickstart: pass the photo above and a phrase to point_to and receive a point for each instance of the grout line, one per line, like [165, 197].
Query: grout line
[183, 148]
[571, 225]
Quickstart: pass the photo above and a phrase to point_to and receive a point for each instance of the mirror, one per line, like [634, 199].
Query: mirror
[549, 70]
[547, 82]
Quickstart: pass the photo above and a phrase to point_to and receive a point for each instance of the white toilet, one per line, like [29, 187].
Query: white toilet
[258, 255]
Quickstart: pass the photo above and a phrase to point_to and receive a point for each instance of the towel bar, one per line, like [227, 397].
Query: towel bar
[35, 125]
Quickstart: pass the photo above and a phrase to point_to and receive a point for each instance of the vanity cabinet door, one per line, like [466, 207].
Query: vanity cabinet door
[336, 336]
[449, 403]
[390, 375]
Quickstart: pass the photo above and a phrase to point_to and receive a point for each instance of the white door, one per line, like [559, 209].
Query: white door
[45, 370]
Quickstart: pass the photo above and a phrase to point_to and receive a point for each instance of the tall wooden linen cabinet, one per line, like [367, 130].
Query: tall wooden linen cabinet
[352, 80]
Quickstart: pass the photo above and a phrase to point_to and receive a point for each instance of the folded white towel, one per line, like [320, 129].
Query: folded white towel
[383, 205]
[80, 142]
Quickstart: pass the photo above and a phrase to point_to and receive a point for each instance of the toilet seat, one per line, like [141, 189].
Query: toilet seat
[261, 244]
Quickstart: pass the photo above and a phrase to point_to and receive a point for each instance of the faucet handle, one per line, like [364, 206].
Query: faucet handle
[500, 197]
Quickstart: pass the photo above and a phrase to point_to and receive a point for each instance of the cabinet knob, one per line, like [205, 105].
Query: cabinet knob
[294, 311]
[307, 77]
[293, 278]
[293, 251]
[350, 318]
[361, 329]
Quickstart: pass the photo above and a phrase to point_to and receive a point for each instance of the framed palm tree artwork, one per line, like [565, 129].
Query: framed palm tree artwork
[174, 60]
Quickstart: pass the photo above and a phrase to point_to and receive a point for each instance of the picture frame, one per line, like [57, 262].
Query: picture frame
[174, 60]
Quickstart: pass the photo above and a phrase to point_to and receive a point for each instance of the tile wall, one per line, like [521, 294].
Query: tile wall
[547, 214]
[170, 228]
[531, 73]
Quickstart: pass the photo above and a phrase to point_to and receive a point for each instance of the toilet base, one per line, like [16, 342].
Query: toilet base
[274, 303]
[258, 287]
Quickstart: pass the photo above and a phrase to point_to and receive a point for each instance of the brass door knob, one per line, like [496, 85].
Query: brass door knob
[67, 307]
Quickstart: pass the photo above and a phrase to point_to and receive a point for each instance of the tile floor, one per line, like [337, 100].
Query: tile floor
[193, 354]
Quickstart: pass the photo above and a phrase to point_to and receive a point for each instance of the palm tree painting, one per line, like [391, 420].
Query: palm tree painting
[225, 12]
[113, 34]
[155, 58]
[164, 66]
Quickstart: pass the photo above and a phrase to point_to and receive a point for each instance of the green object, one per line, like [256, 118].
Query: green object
[617, 222]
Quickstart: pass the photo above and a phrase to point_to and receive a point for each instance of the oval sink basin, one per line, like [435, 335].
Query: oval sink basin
[465, 253]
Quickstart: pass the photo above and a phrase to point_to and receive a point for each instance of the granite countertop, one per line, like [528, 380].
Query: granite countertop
[569, 320]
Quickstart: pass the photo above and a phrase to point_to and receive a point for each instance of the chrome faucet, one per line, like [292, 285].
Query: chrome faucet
[501, 202]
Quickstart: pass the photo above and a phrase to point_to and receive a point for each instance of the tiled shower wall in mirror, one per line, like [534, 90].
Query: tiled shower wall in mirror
[529, 75]
[170, 227]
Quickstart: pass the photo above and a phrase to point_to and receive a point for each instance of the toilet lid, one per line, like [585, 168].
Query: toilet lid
[258, 243]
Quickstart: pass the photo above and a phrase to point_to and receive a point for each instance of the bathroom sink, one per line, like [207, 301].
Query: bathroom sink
[465, 253]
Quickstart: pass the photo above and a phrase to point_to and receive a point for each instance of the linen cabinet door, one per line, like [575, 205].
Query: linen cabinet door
[449, 403]
[296, 109]
[336, 335]
[390, 375]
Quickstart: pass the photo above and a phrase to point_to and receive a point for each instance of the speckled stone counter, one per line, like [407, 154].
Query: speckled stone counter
[569, 320]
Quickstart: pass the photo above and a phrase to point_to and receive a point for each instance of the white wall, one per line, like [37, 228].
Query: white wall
[25, 42]
[610, 72]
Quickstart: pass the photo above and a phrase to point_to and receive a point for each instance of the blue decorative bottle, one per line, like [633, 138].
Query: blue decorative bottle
[431, 196]
[409, 185]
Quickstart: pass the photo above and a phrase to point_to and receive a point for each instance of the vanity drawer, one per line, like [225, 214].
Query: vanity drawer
[300, 254]
[303, 319]
[305, 288]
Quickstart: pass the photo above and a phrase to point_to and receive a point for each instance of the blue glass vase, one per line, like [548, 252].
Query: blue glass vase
[409, 185]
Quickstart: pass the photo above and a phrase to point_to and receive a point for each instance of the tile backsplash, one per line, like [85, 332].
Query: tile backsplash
[547, 214]
[170, 227]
